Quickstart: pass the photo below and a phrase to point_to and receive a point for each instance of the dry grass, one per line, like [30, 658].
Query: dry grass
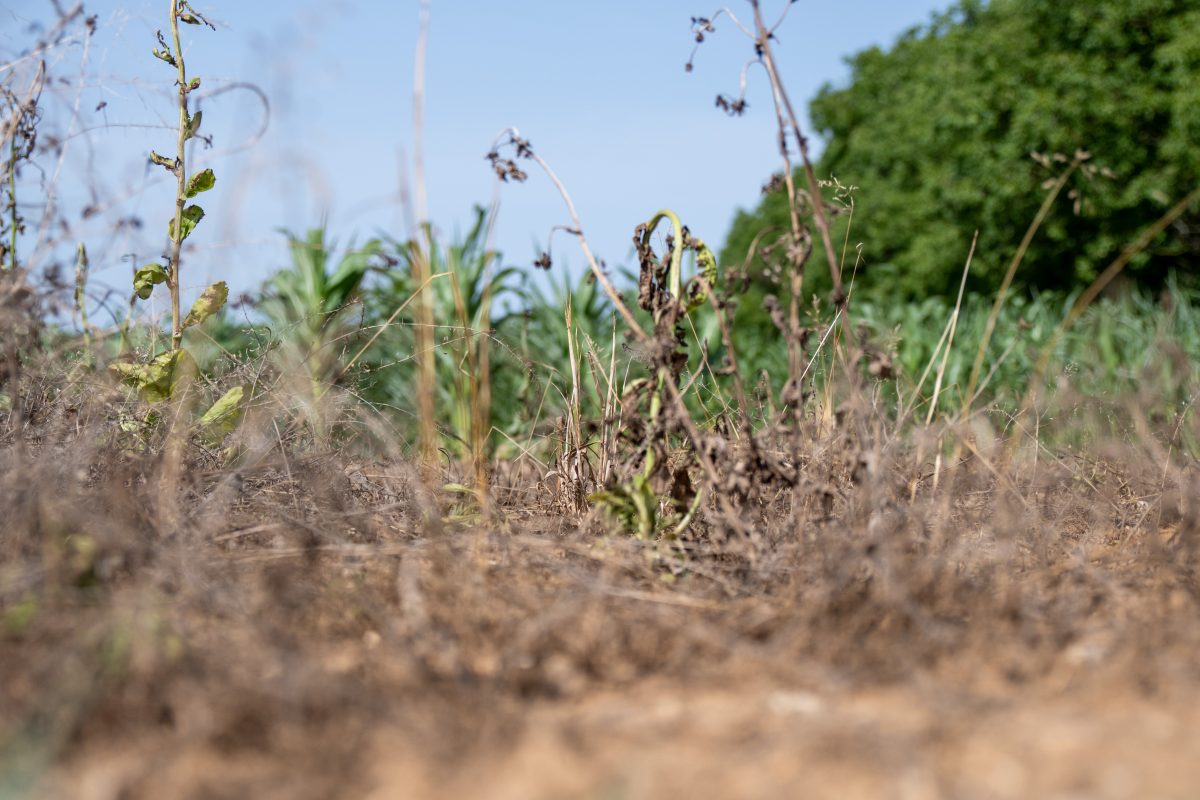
[305, 628]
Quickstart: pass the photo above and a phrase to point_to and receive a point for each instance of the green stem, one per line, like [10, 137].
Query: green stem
[673, 276]
[181, 186]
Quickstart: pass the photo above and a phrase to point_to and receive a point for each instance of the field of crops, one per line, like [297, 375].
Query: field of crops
[414, 522]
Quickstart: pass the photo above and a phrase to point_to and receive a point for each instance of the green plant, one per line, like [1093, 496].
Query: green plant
[309, 303]
[166, 374]
[186, 217]
[542, 339]
[1115, 348]
[464, 284]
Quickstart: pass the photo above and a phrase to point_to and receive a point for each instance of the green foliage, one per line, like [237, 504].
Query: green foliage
[633, 504]
[1136, 344]
[190, 219]
[937, 132]
[540, 335]
[160, 378]
[202, 181]
[225, 415]
[309, 304]
[312, 294]
[464, 297]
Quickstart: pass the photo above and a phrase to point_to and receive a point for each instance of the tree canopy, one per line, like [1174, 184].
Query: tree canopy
[938, 134]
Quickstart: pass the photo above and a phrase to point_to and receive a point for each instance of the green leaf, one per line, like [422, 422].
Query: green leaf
[200, 182]
[160, 378]
[163, 55]
[225, 415]
[193, 125]
[191, 218]
[193, 84]
[146, 278]
[209, 303]
[189, 19]
[634, 504]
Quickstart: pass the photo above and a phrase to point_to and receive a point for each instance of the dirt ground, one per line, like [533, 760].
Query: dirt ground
[741, 737]
[914, 742]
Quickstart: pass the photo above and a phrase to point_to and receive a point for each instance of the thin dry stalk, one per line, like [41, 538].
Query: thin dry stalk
[577, 230]
[20, 109]
[947, 340]
[941, 373]
[426, 366]
[762, 42]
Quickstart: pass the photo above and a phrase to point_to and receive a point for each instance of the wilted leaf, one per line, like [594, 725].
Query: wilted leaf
[191, 218]
[208, 304]
[225, 415]
[146, 278]
[202, 181]
[706, 265]
[161, 377]
[166, 163]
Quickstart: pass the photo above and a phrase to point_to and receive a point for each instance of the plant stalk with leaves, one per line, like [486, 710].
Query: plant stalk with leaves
[166, 374]
[186, 217]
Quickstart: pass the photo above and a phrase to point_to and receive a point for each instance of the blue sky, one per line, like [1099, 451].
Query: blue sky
[599, 89]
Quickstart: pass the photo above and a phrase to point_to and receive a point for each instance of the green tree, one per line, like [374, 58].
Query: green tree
[938, 132]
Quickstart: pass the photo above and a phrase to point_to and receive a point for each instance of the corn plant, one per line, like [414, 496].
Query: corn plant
[465, 285]
[542, 341]
[309, 306]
